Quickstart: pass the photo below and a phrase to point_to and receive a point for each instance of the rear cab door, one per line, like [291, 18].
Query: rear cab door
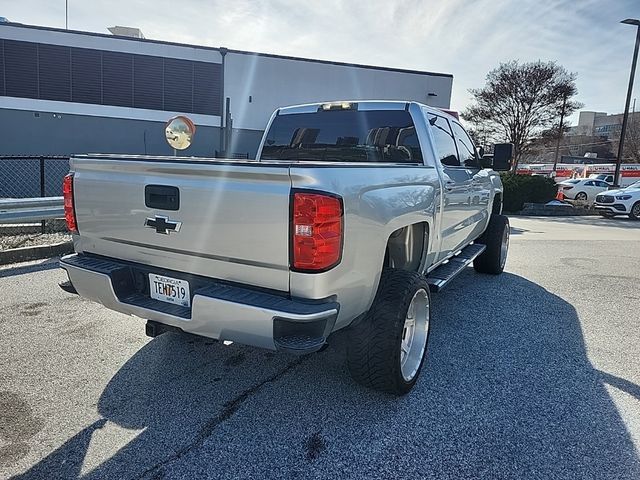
[456, 182]
[481, 185]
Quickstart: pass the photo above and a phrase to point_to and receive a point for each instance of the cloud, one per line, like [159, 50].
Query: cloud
[465, 38]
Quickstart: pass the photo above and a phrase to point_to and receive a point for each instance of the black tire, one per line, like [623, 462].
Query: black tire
[373, 349]
[491, 261]
[634, 214]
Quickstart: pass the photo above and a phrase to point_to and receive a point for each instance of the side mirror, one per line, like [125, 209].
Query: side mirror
[502, 156]
[486, 161]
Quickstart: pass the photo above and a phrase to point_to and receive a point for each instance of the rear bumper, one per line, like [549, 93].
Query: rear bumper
[218, 310]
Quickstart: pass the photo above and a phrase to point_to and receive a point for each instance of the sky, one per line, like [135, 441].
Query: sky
[466, 38]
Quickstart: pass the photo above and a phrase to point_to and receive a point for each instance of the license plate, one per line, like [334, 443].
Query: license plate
[170, 290]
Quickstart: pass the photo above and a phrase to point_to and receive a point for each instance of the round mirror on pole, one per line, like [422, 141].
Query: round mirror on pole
[179, 132]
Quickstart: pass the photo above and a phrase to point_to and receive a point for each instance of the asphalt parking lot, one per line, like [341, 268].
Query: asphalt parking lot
[531, 374]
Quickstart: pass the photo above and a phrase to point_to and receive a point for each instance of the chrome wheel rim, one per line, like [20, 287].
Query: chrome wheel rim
[636, 210]
[581, 196]
[504, 247]
[414, 335]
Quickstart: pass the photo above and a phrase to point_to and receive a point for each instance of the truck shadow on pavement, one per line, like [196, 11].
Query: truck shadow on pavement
[11, 271]
[507, 391]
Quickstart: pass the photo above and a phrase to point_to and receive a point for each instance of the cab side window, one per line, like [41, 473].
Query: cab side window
[444, 141]
[466, 148]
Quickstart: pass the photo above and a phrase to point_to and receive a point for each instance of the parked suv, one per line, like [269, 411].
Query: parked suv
[625, 201]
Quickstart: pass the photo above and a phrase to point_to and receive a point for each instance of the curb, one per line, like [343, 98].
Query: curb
[52, 226]
[37, 252]
[544, 210]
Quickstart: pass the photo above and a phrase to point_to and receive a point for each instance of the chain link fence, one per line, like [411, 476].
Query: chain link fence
[30, 177]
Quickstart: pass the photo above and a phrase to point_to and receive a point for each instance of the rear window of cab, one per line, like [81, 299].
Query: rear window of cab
[344, 136]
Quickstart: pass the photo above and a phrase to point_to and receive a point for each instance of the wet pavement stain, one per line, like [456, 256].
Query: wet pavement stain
[33, 309]
[17, 426]
[235, 360]
[314, 446]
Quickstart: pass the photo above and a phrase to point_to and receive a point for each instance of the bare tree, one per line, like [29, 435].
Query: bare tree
[520, 101]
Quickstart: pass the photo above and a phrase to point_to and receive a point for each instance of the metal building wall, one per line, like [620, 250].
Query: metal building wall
[47, 133]
[258, 84]
[54, 121]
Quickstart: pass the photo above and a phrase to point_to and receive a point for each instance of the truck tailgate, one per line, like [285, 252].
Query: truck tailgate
[234, 217]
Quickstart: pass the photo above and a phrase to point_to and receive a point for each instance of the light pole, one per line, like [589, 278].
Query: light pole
[560, 132]
[66, 14]
[625, 118]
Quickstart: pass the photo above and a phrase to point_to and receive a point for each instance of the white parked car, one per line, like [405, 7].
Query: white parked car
[625, 201]
[583, 189]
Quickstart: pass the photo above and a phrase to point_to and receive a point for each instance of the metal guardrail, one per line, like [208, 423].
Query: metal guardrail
[27, 210]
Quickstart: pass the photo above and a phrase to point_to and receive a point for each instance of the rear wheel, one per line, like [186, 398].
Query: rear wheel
[496, 238]
[581, 196]
[635, 211]
[386, 349]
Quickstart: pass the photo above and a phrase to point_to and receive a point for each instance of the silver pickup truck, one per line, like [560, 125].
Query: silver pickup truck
[350, 215]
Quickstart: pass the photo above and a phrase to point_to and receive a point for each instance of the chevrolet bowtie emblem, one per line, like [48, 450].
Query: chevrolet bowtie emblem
[162, 224]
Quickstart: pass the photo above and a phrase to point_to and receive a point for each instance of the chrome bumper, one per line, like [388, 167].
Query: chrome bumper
[218, 310]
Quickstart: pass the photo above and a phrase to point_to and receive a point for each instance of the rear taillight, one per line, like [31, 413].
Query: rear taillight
[316, 232]
[69, 210]
[567, 188]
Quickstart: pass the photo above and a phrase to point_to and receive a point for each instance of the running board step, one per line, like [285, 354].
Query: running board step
[441, 276]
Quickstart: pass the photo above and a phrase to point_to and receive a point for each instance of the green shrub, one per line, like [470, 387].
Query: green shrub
[521, 189]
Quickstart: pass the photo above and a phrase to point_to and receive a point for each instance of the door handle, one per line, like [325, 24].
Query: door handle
[449, 184]
[163, 197]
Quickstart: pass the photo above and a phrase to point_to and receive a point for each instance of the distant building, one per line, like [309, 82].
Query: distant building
[64, 92]
[600, 124]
